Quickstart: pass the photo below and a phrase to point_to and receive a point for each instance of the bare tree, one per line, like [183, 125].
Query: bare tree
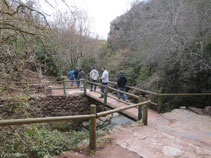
[20, 25]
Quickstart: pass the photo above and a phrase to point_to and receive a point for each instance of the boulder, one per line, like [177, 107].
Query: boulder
[207, 110]
[196, 110]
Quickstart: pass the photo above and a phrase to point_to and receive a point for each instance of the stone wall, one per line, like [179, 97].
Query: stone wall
[47, 106]
[64, 105]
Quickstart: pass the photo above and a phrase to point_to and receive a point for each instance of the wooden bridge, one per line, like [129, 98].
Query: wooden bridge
[142, 111]
[111, 101]
[136, 111]
[110, 98]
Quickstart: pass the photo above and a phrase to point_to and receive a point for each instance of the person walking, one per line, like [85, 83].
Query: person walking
[71, 76]
[76, 76]
[93, 76]
[121, 82]
[105, 80]
[81, 77]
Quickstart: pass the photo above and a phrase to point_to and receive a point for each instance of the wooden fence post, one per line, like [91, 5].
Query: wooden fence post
[146, 111]
[143, 111]
[140, 107]
[92, 128]
[84, 86]
[159, 103]
[64, 88]
[105, 95]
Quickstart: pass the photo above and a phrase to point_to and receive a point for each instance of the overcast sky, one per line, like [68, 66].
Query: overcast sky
[101, 12]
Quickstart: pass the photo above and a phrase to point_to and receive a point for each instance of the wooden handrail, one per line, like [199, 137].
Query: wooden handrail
[65, 88]
[120, 109]
[44, 120]
[98, 84]
[37, 83]
[129, 94]
[142, 90]
[65, 118]
[153, 103]
[68, 81]
[184, 94]
[138, 89]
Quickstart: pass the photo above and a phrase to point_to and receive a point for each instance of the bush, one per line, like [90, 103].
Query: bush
[34, 141]
[38, 140]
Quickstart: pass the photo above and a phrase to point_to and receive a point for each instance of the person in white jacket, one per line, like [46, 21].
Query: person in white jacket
[93, 76]
[105, 80]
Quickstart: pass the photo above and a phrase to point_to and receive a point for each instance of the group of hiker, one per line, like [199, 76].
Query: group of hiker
[79, 76]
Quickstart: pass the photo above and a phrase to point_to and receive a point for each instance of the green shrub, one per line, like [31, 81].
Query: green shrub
[37, 140]
[143, 74]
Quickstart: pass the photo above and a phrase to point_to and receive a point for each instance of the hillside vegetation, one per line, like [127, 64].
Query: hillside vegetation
[29, 43]
[164, 46]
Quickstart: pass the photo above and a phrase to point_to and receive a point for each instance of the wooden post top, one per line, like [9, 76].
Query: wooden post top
[92, 109]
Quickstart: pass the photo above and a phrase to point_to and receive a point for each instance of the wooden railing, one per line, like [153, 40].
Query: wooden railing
[112, 89]
[138, 89]
[159, 96]
[142, 112]
[158, 104]
[91, 117]
[139, 98]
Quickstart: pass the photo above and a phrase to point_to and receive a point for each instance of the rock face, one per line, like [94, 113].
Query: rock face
[170, 151]
[64, 105]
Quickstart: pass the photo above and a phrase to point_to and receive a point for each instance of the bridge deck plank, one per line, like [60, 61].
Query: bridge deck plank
[132, 113]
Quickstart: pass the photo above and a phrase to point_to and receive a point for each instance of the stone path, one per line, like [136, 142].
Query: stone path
[179, 133]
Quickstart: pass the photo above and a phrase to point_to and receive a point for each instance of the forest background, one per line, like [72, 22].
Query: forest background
[161, 45]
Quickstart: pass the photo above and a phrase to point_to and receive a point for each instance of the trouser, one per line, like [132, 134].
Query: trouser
[94, 85]
[82, 83]
[71, 83]
[103, 88]
[78, 83]
[124, 95]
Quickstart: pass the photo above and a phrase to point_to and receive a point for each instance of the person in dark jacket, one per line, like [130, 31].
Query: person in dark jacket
[121, 82]
[81, 77]
[76, 76]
